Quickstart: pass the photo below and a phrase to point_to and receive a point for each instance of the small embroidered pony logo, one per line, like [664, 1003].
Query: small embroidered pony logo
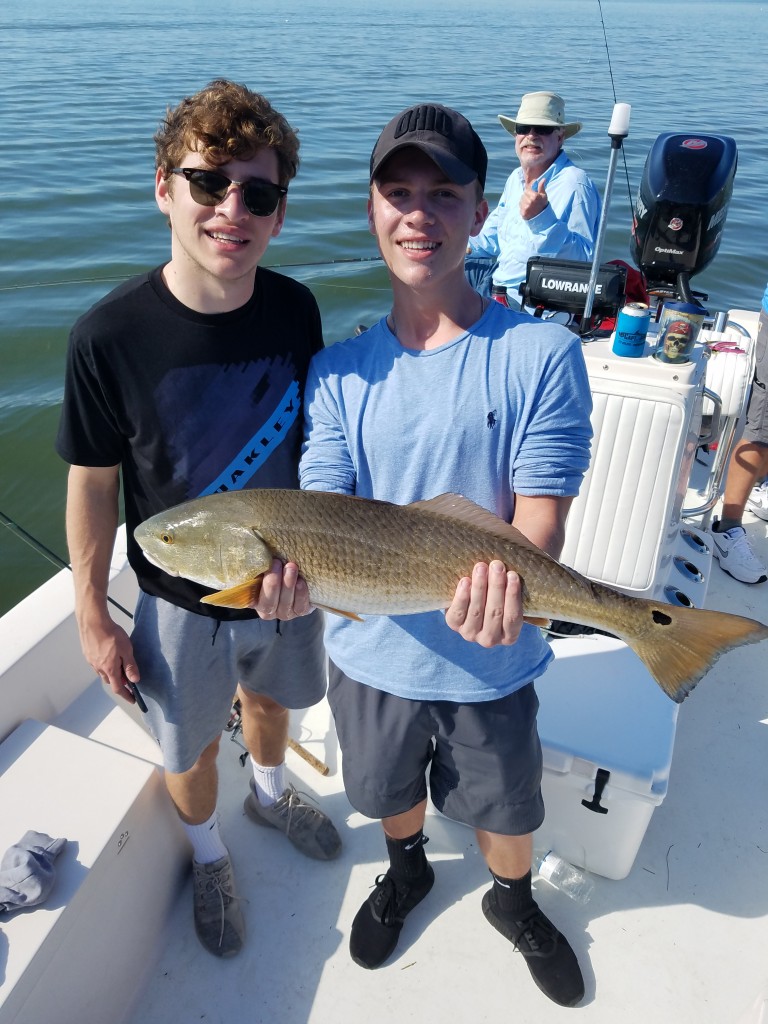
[491, 419]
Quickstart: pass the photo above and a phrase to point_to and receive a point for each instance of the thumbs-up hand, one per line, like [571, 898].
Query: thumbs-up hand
[533, 200]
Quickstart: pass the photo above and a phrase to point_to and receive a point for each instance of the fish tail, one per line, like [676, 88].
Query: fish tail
[682, 644]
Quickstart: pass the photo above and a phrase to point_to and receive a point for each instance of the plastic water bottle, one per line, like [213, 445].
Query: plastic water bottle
[563, 875]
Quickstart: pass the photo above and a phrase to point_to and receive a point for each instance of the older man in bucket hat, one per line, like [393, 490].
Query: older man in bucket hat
[549, 206]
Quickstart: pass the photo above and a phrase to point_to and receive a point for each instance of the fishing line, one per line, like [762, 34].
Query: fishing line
[123, 277]
[41, 549]
[613, 88]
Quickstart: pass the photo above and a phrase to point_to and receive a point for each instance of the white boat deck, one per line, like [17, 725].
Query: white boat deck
[684, 938]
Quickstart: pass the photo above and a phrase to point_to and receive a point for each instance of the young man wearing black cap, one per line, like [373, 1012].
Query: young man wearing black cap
[448, 393]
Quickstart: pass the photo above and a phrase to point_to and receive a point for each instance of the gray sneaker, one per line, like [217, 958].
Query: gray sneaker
[218, 920]
[308, 828]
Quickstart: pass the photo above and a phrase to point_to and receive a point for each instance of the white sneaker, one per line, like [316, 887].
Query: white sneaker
[735, 555]
[757, 502]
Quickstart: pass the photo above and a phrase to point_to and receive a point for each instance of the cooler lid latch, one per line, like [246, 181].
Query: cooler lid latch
[601, 779]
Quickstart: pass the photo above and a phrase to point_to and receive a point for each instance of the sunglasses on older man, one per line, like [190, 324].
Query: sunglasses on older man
[209, 188]
[540, 129]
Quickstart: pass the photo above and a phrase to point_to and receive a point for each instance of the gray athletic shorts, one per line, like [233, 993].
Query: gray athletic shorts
[756, 429]
[484, 760]
[191, 664]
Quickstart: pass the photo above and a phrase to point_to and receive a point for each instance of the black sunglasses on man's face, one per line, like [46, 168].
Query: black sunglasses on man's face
[530, 129]
[209, 188]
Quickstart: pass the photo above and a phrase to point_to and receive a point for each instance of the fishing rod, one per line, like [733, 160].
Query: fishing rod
[234, 726]
[41, 549]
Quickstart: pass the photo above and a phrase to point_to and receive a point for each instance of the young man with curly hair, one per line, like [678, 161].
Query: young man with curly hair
[185, 381]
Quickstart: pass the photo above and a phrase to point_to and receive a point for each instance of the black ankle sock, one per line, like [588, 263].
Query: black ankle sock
[726, 524]
[407, 859]
[514, 897]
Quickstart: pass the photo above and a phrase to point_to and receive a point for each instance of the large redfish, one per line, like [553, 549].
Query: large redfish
[364, 557]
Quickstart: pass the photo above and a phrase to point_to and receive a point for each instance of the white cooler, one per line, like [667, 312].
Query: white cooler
[607, 733]
[607, 730]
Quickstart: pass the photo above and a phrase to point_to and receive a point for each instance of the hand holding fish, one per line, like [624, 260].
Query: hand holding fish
[488, 608]
[283, 594]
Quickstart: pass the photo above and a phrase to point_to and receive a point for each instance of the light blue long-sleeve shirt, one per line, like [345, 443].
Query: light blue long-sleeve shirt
[566, 227]
[503, 409]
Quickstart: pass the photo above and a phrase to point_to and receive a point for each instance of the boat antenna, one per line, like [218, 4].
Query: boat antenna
[41, 549]
[618, 130]
[615, 99]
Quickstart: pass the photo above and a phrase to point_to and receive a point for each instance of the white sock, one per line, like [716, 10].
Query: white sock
[206, 840]
[270, 782]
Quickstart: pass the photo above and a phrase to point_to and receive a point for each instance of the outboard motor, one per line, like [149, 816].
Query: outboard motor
[681, 209]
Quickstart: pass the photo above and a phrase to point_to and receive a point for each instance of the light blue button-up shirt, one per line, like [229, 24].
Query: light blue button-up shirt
[566, 227]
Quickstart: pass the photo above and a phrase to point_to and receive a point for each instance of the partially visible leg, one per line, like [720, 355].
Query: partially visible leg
[379, 921]
[272, 801]
[487, 773]
[265, 735]
[282, 669]
[194, 792]
[183, 660]
[510, 907]
[748, 464]
[732, 549]
[386, 742]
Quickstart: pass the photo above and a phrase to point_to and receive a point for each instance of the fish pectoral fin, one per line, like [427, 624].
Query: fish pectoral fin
[244, 595]
[541, 623]
[337, 611]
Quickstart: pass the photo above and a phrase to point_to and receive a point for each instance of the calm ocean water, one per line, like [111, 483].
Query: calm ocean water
[83, 86]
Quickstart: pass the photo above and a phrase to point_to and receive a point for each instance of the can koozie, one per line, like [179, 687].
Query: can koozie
[679, 326]
[631, 329]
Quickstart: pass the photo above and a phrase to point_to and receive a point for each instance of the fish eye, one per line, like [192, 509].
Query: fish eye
[166, 538]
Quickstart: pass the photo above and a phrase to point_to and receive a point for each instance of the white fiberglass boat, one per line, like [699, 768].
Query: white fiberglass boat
[665, 805]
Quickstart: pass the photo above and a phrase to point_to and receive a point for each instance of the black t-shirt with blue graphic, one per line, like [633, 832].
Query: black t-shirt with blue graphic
[188, 403]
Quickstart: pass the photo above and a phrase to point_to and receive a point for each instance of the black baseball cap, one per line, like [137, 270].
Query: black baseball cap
[445, 135]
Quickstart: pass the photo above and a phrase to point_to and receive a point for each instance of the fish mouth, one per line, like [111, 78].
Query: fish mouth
[159, 565]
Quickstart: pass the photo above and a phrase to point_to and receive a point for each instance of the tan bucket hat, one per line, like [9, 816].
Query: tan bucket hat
[541, 108]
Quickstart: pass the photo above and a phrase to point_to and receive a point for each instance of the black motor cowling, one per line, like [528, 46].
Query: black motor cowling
[681, 207]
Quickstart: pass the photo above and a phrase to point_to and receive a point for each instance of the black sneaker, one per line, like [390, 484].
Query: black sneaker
[378, 922]
[551, 961]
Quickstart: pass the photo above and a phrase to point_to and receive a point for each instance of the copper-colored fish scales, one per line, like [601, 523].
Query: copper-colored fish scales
[363, 557]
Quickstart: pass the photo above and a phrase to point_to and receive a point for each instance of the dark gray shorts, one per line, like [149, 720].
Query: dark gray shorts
[191, 664]
[756, 429]
[484, 760]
